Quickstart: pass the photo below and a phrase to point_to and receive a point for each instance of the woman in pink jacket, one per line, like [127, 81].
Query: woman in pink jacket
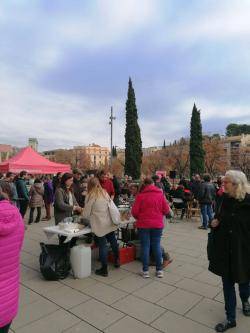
[11, 238]
[149, 209]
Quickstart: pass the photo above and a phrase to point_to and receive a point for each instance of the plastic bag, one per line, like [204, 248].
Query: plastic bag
[55, 261]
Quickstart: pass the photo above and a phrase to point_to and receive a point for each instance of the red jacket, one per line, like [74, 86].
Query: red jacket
[149, 208]
[107, 184]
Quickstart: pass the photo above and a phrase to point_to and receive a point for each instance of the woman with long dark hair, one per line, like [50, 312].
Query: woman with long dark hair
[65, 203]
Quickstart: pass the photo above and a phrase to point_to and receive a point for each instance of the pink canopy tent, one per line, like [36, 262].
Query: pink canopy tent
[32, 162]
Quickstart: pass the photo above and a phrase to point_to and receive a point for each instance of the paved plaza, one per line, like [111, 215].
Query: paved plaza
[188, 299]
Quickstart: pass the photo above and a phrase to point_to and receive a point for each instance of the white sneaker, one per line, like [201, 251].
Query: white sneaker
[145, 274]
[159, 274]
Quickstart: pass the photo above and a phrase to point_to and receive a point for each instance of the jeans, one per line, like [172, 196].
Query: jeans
[151, 238]
[230, 296]
[38, 217]
[207, 214]
[103, 248]
[5, 329]
[23, 207]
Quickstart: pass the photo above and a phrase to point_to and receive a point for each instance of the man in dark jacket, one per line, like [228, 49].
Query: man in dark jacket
[195, 185]
[206, 197]
[22, 192]
[78, 188]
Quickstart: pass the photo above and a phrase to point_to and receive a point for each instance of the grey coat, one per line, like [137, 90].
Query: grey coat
[62, 208]
[36, 195]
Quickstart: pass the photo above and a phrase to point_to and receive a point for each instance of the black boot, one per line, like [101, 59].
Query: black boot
[246, 308]
[226, 325]
[103, 271]
[117, 263]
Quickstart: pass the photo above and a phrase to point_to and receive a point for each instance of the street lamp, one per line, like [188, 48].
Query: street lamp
[112, 118]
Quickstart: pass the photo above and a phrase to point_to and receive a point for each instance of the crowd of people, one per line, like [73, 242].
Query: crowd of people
[224, 206]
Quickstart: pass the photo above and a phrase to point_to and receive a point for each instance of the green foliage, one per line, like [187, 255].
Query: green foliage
[237, 129]
[133, 143]
[114, 152]
[196, 150]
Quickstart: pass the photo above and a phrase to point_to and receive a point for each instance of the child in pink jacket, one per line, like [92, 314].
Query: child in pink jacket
[11, 239]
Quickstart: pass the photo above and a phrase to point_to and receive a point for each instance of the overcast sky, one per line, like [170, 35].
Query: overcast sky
[64, 63]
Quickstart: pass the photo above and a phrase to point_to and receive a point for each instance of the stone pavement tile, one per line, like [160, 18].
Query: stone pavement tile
[154, 291]
[82, 327]
[97, 314]
[128, 324]
[78, 284]
[243, 323]
[186, 270]
[134, 267]
[28, 273]
[41, 286]
[35, 236]
[198, 287]
[105, 293]
[207, 312]
[208, 277]
[220, 298]
[191, 260]
[54, 323]
[27, 296]
[139, 309]
[174, 264]
[170, 278]
[131, 283]
[171, 322]
[31, 246]
[33, 312]
[188, 252]
[114, 276]
[30, 260]
[180, 301]
[67, 297]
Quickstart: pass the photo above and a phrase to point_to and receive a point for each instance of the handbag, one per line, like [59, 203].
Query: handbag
[114, 212]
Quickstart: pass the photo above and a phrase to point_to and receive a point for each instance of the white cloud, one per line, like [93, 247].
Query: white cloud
[211, 110]
[215, 21]
[64, 120]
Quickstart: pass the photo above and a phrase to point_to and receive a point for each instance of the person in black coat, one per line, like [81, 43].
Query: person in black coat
[229, 245]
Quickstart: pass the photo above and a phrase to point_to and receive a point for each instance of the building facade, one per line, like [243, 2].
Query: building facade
[6, 151]
[33, 143]
[233, 146]
[99, 156]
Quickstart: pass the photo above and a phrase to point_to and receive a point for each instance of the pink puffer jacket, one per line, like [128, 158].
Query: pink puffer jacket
[149, 207]
[11, 238]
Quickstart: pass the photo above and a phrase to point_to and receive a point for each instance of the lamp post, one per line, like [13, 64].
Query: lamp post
[112, 118]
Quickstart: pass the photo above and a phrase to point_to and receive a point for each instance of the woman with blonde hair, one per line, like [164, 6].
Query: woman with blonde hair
[97, 211]
[229, 246]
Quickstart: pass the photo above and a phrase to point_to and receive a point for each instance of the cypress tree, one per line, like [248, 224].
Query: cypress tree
[196, 148]
[114, 153]
[164, 144]
[133, 143]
